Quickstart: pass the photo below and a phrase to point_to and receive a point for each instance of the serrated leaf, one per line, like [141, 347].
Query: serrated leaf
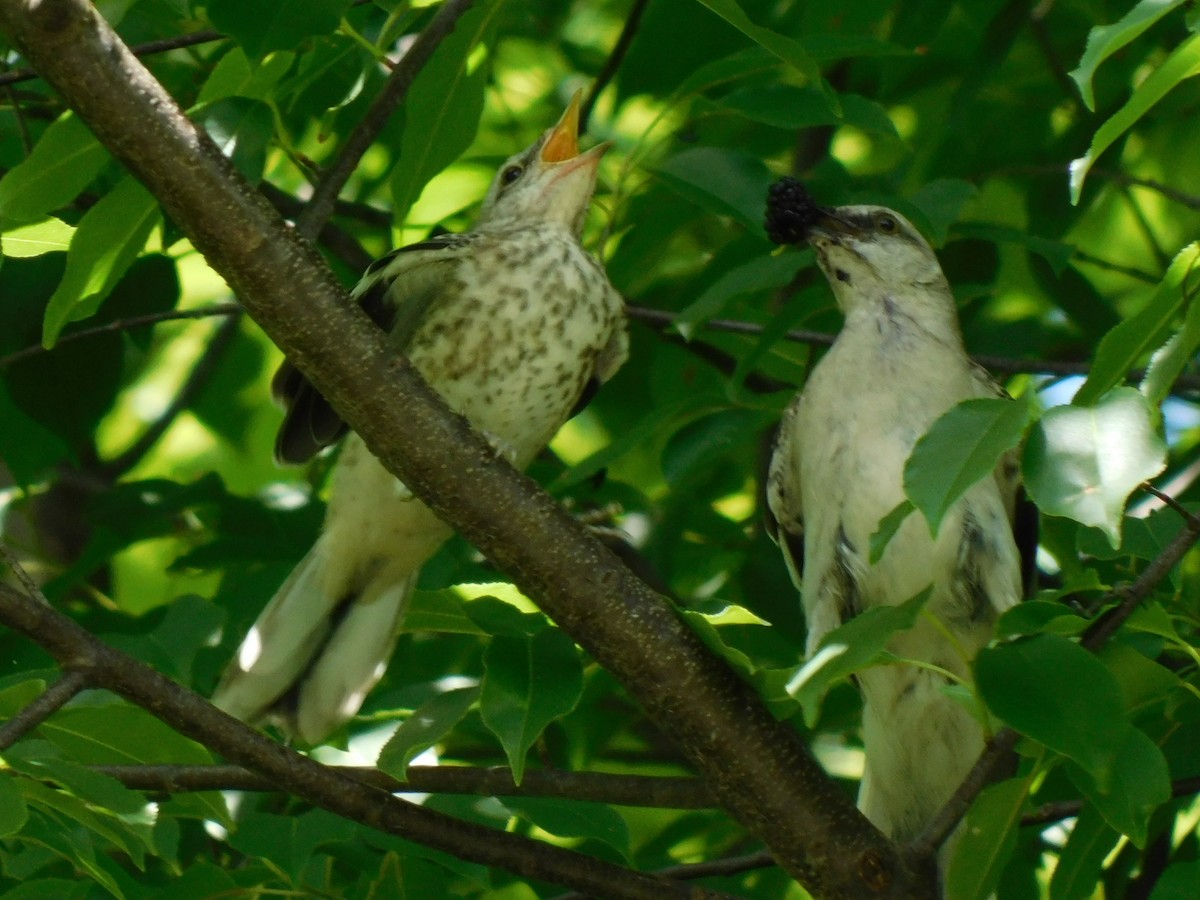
[1083, 462]
[986, 841]
[1183, 63]
[856, 645]
[1105, 40]
[442, 109]
[46, 236]
[427, 725]
[1054, 691]
[109, 237]
[1128, 343]
[528, 683]
[62, 164]
[960, 449]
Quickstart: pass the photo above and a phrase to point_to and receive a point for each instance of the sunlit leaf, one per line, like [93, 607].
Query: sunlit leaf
[1183, 63]
[988, 836]
[1105, 40]
[427, 725]
[47, 236]
[1083, 462]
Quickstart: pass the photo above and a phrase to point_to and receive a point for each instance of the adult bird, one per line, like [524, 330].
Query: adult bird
[514, 324]
[897, 364]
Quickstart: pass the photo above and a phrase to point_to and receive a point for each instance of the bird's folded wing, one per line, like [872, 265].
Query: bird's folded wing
[397, 292]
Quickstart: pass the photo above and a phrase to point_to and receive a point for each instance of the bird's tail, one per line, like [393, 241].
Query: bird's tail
[316, 650]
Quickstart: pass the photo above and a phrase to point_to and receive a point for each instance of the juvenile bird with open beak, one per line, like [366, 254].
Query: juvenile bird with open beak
[897, 365]
[514, 324]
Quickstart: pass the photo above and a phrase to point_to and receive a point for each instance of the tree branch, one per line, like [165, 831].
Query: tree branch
[320, 206]
[592, 787]
[613, 63]
[47, 704]
[758, 768]
[100, 665]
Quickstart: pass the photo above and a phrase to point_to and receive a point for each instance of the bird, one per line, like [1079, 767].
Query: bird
[896, 365]
[515, 325]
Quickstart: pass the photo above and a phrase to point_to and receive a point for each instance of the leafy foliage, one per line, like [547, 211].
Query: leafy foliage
[138, 486]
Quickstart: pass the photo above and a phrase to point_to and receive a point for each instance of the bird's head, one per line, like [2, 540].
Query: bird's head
[862, 249]
[550, 182]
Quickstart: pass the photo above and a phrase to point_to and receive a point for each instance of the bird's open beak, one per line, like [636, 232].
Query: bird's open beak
[563, 143]
[833, 224]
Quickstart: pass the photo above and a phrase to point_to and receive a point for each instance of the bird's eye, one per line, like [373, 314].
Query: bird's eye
[511, 174]
[886, 224]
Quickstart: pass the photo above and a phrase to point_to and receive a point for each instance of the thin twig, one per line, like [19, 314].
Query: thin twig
[593, 787]
[1048, 813]
[50, 701]
[613, 63]
[1166, 499]
[203, 312]
[320, 206]
[147, 49]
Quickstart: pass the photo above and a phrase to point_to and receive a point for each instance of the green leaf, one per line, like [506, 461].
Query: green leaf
[442, 611]
[120, 735]
[243, 130]
[290, 841]
[1083, 462]
[266, 25]
[13, 811]
[762, 274]
[788, 50]
[1056, 253]
[960, 449]
[1183, 63]
[791, 107]
[427, 725]
[48, 235]
[109, 237]
[1105, 40]
[1054, 691]
[942, 200]
[61, 165]
[1037, 616]
[1130, 341]
[1079, 862]
[724, 182]
[40, 759]
[856, 645]
[577, 820]
[442, 109]
[1179, 881]
[1169, 361]
[887, 528]
[1140, 784]
[235, 76]
[987, 839]
[529, 682]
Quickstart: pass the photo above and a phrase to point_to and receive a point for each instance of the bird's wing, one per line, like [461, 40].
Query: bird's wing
[396, 292]
[784, 512]
[1022, 514]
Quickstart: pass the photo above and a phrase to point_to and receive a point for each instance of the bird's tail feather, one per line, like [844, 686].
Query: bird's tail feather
[316, 649]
